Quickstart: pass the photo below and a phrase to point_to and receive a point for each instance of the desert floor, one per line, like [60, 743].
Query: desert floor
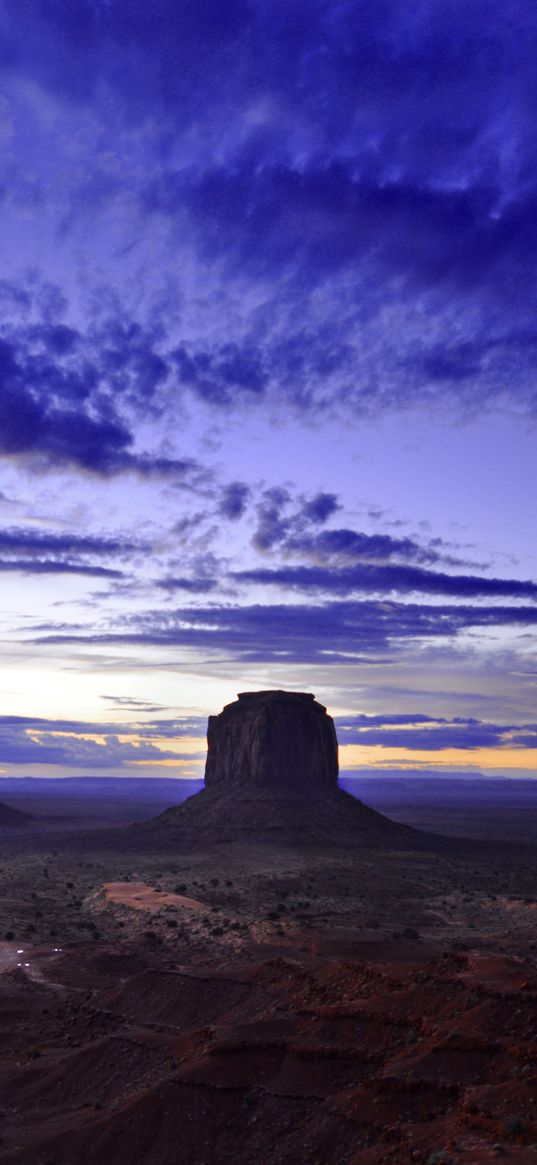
[266, 1003]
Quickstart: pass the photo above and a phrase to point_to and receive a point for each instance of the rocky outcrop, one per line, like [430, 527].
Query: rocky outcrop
[274, 740]
[272, 775]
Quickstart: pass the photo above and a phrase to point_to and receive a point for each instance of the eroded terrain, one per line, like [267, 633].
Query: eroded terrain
[266, 1004]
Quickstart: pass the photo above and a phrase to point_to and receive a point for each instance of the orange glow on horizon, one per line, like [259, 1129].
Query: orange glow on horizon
[356, 756]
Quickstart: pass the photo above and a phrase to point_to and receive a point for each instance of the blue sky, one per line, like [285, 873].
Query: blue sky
[268, 384]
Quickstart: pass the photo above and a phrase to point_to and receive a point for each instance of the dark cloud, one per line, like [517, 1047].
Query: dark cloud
[234, 501]
[327, 219]
[72, 399]
[73, 51]
[272, 525]
[35, 421]
[339, 159]
[427, 733]
[223, 374]
[129, 362]
[388, 578]
[292, 527]
[56, 566]
[348, 545]
[343, 632]
[42, 743]
[320, 507]
[363, 720]
[431, 739]
[15, 539]
[197, 586]
[78, 753]
[30, 551]
[26, 740]
[173, 727]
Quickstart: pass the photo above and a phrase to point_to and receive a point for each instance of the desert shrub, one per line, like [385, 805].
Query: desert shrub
[513, 1123]
[409, 932]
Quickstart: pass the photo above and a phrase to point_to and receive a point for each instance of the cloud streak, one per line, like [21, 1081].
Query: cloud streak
[429, 734]
[343, 631]
[91, 746]
[388, 578]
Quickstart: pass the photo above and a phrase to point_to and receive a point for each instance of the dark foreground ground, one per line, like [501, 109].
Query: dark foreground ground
[266, 1003]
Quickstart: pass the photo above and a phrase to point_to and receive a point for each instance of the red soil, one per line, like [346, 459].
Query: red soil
[140, 896]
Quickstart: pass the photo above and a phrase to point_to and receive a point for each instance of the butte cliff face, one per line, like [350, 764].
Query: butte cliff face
[279, 741]
[272, 774]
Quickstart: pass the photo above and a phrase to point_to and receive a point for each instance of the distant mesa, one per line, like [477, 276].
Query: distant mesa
[272, 773]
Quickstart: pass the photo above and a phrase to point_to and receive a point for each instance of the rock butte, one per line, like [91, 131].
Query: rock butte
[272, 774]
[284, 741]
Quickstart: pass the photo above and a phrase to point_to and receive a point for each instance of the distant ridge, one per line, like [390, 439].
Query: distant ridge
[10, 817]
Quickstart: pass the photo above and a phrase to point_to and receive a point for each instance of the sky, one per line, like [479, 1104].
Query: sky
[268, 378]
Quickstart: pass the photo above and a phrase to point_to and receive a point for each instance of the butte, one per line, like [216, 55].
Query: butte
[272, 774]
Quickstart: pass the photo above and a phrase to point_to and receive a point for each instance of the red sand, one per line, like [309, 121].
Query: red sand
[140, 896]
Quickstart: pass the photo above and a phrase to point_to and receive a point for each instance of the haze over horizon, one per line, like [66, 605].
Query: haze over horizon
[268, 378]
